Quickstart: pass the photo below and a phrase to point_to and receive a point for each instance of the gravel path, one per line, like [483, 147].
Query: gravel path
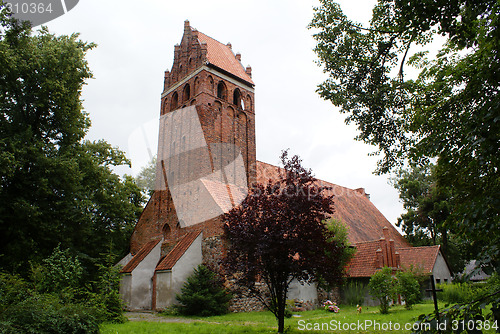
[153, 317]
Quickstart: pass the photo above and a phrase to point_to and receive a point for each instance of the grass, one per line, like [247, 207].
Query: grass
[264, 322]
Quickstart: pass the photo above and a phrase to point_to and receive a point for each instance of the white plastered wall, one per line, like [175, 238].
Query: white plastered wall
[141, 284]
[441, 271]
[306, 292]
[170, 282]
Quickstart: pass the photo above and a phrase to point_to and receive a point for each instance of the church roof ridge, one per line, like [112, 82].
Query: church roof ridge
[353, 208]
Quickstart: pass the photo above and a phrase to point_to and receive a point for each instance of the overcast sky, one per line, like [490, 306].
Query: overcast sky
[136, 45]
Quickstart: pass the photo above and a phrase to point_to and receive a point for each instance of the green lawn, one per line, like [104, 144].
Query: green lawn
[369, 321]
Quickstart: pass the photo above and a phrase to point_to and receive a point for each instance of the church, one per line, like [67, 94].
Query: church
[206, 162]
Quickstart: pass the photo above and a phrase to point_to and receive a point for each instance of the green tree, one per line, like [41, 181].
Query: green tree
[58, 273]
[338, 233]
[105, 295]
[447, 112]
[408, 287]
[428, 219]
[147, 177]
[383, 287]
[278, 234]
[203, 294]
[55, 187]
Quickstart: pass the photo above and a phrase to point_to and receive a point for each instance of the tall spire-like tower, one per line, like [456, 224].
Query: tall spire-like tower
[206, 150]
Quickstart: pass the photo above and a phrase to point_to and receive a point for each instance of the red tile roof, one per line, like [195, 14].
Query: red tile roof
[422, 258]
[364, 263]
[352, 207]
[141, 254]
[222, 56]
[175, 254]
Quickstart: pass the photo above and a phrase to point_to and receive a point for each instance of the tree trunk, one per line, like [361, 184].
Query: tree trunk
[444, 241]
[281, 310]
[281, 318]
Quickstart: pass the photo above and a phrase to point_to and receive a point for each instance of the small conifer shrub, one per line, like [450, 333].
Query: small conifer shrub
[203, 294]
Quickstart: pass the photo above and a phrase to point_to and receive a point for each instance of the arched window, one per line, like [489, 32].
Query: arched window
[211, 84]
[196, 86]
[166, 232]
[237, 99]
[175, 101]
[222, 90]
[165, 106]
[248, 103]
[186, 94]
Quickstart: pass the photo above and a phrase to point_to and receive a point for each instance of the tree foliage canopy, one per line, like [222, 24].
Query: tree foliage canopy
[444, 110]
[278, 234]
[383, 287]
[55, 187]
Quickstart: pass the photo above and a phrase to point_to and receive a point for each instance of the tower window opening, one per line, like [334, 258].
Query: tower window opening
[186, 93]
[175, 101]
[248, 103]
[237, 99]
[221, 91]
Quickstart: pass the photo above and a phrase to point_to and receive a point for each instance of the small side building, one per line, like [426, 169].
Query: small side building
[374, 255]
[151, 282]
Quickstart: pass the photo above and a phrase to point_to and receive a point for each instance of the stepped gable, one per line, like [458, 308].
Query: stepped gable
[352, 206]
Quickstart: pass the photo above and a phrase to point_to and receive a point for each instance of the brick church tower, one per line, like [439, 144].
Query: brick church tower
[206, 160]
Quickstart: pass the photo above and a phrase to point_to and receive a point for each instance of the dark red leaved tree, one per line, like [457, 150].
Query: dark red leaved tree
[278, 234]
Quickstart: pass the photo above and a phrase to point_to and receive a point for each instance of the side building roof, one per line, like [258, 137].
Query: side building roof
[168, 262]
[139, 256]
[365, 262]
[422, 258]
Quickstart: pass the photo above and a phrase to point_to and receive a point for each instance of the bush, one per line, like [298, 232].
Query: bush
[46, 314]
[106, 298]
[52, 304]
[290, 305]
[382, 286]
[59, 273]
[408, 287]
[354, 293]
[462, 292]
[13, 289]
[203, 294]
